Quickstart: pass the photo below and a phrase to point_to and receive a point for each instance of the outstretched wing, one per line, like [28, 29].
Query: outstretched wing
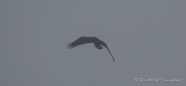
[105, 45]
[80, 41]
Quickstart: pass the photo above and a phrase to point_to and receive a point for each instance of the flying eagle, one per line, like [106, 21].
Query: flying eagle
[83, 40]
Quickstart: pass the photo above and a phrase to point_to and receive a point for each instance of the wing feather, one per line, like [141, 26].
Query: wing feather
[80, 41]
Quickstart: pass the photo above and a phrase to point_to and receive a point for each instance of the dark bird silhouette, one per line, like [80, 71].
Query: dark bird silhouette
[83, 40]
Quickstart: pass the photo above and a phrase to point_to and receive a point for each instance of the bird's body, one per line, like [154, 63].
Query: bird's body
[83, 40]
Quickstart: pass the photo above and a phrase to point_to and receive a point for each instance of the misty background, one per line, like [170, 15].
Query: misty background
[146, 38]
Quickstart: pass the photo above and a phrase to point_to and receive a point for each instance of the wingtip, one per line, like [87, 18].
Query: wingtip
[113, 59]
[68, 46]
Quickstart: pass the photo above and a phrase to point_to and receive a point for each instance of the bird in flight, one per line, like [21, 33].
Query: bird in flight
[83, 40]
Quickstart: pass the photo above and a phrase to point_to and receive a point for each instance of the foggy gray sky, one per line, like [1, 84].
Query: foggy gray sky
[146, 38]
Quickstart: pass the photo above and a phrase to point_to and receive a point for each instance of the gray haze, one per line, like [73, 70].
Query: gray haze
[146, 38]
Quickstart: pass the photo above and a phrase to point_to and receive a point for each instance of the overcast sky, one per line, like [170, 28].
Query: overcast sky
[146, 38]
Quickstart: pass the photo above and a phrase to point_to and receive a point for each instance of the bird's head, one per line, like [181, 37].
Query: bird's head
[98, 46]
